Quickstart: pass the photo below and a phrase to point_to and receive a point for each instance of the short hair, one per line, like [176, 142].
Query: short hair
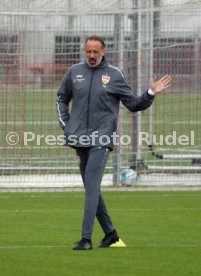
[97, 38]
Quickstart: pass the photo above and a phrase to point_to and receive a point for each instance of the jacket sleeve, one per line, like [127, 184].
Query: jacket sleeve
[64, 96]
[130, 101]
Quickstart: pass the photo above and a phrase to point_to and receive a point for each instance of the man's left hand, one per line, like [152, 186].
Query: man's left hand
[158, 86]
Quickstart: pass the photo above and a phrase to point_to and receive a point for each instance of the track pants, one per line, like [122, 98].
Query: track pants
[92, 165]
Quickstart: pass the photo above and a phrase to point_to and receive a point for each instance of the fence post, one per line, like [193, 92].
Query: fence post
[118, 40]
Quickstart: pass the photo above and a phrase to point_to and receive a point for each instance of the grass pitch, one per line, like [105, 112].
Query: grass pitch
[162, 231]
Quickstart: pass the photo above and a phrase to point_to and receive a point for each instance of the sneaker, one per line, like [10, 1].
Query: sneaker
[83, 244]
[109, 239]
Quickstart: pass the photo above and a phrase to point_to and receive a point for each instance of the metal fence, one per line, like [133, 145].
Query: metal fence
[40, 40]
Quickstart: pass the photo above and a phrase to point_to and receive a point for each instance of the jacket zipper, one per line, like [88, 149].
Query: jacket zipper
[89, 101]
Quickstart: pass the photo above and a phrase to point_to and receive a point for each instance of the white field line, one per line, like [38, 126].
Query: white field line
[70, 246]
[16, 123]
[113, 193]
[112, 210]
[31, 246]
[57, 122]
[179, 123]
[33, 147]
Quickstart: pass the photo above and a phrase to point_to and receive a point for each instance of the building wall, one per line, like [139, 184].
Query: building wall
[37, 23]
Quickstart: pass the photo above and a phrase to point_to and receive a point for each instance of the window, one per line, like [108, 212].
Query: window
[8, 58]
[67, 50]
[8, 46]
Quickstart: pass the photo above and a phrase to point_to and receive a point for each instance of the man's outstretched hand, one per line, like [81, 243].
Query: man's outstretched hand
[158, 86]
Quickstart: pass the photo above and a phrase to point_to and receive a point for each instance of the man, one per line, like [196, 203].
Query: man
[95, 89]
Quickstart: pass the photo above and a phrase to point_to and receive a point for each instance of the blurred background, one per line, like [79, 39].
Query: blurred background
[41, 40]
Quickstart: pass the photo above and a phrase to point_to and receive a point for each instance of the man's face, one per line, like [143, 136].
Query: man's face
[94, 52]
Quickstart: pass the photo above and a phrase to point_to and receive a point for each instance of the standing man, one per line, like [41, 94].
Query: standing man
[95, 89]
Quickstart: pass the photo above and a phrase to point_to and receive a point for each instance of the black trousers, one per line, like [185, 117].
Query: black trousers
[92, 165]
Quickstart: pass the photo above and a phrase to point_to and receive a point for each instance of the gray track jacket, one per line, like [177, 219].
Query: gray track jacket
[95, 94]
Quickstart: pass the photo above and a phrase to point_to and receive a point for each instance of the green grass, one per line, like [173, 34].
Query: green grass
[161, 231]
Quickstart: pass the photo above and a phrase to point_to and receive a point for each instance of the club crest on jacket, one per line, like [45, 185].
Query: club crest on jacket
[105, 79]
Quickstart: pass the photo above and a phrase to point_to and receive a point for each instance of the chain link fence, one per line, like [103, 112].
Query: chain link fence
[41, 40]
